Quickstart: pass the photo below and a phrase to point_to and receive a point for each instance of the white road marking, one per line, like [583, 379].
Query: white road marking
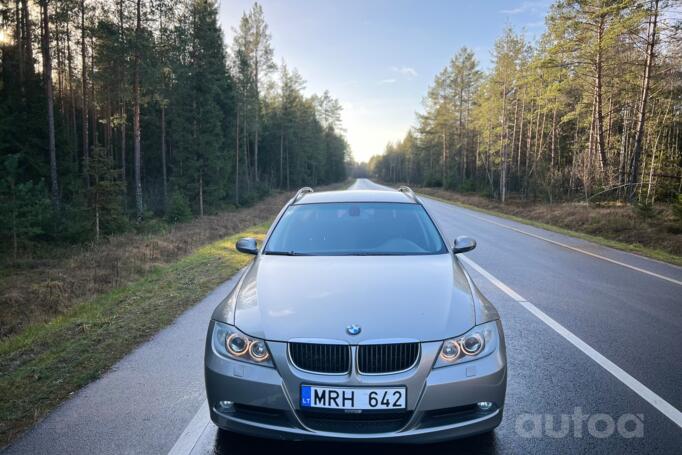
[579, 250]
[640, 389]
[192, 432]
[561, 244]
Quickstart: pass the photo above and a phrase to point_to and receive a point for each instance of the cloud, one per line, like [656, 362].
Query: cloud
[533, 7]
[387, 81]
[406, 71]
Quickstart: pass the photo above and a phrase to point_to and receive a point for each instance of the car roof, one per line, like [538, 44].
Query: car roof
[355, 196]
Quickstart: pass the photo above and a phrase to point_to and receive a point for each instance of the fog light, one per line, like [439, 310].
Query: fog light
[226, 406]
[485, 405]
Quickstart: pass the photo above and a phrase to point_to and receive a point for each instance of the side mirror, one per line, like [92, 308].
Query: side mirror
[247, 245]
[463, 244]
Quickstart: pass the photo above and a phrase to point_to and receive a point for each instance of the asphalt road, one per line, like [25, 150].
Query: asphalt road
[591, 332]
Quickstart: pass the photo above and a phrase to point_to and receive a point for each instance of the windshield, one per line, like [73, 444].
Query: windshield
[377, 228]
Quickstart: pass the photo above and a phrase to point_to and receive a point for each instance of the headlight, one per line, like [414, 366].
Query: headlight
[258, 351]
[230, 342]
[237, 344]
[475, 344]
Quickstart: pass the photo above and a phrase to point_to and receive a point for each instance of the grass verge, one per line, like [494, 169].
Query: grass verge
[644, 250]
[45, 363]
[38, 288]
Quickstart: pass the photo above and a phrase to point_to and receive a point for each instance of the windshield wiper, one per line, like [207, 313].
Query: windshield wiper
[372, 253]
[286, 253]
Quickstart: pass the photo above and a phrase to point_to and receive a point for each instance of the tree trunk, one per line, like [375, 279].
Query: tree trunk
[163, 155]
[486, 162]
[552, 152]
[236, 165]
[574, 152]
[503, 161]
[523, 110]
[460, 133]
[72, 94]
[288, 164]
[552, 147]
[529, 144]
[653, 153]
[609, 123]
[47, 78]
[513, 139]
[255, 156]
[84, 101]
[623, 150]
[587, 165]
[201, 193]
[541, 140]
[136, 116]
[97, 229]
[15, 242]
[107, 131]
[124, 122]
[255, 147]
[245, 144]
[60, 67]
[20, 45]
[28, 40]
[281, 155]
[599, 117]
[93, 103]
[445, 162]
[641, 116]
[477, 156]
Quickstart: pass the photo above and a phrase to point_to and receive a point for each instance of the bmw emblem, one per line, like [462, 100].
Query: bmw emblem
[353, 329]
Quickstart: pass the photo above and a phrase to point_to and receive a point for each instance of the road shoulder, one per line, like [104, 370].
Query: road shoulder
[44, 365]
[154, 391]
[651, 254]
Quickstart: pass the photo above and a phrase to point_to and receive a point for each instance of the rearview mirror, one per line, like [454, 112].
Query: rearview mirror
[247, 245]
[463, 244]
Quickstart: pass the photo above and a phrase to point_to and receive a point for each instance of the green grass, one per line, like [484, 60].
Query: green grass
[42, 365]
[629, 247]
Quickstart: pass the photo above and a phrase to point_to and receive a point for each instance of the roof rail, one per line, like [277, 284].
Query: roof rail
[303, 191]
[408, 192]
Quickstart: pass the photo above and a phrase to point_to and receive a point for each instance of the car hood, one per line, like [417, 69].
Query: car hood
[390, 297]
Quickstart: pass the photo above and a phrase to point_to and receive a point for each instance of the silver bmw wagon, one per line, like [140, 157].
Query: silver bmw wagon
[356, 321]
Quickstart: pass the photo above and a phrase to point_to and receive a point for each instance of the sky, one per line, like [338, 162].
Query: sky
[378, 57]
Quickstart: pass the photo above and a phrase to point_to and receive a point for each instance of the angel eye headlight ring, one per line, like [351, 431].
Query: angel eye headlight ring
[450, 350]
[237, 344]
[258, 351]
[472, 344]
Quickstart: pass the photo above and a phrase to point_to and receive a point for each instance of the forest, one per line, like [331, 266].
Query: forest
[591, 111]
[115, 114]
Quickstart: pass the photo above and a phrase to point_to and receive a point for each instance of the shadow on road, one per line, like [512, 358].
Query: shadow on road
[234, 444]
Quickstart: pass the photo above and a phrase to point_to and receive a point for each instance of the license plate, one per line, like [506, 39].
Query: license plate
[360, 398]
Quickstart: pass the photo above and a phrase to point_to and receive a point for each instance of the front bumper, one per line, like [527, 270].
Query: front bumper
[440, 402]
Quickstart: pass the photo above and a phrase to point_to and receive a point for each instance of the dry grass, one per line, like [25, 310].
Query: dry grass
[658, 235]
[44, 364]
[36, 290]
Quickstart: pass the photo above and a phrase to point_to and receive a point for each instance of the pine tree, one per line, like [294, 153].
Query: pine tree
[205, 123]
[252, 43]
[23, 204]
[202, 95]
[47, 81]
[104, 195]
